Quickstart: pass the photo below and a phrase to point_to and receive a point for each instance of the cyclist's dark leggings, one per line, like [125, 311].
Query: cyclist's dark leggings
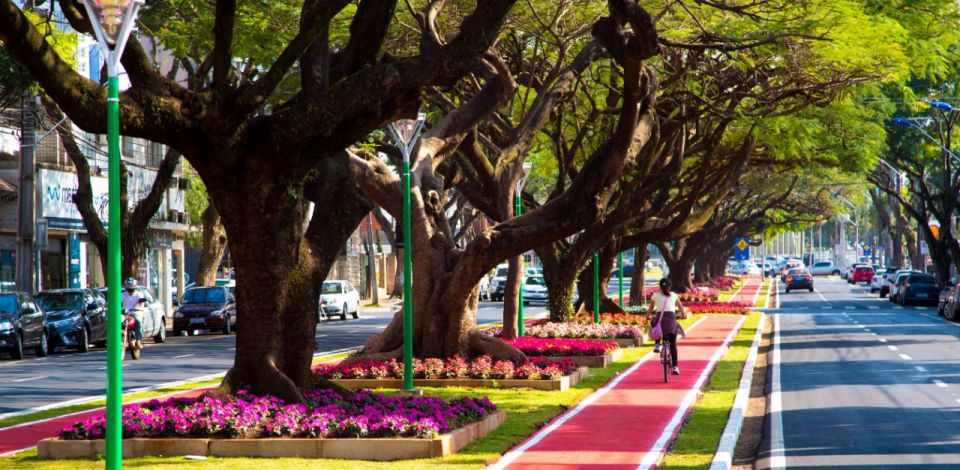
[672, 338]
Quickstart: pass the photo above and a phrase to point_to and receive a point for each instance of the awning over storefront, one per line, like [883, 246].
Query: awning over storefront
[8, 191]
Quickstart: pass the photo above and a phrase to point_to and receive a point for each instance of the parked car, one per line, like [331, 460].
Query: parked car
[339, 298]
[825, 268]
[499, 282]
[790, 264]
[484, 286]
[534, 290]
[947, 304]
[917, 287]
[887, 278]
[769, 270]
[23, 324]
[798, 278]
[848, 270]
[748, 268]
[861, 274]
[892, 289]
[205, 308]
[154, 324]
[75, 318]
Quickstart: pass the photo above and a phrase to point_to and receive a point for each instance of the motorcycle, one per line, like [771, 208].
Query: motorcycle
[128, 330]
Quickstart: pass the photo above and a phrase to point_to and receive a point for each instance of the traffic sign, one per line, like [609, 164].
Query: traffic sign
[866, 249]
[742, 249]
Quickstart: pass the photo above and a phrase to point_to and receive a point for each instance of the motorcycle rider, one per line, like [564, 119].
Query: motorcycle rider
[130, 301]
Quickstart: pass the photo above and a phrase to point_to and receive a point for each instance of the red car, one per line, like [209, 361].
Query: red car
[862, 274]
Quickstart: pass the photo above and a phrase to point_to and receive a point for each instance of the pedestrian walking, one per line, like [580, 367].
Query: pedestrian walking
[667, 304]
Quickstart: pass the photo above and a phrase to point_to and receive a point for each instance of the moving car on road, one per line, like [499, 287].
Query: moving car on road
[947, 306]
[339, 298]
[861, 274]
[75, 318]
[791, 264]
[205, 308]
[534, 290]
[824, 268]
[799, 279]
[23, 324]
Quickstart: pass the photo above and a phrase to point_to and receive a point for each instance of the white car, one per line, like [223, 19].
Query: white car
[339, 298]
[154, 324]
[746, 267]
[534, 290]
[825, 268]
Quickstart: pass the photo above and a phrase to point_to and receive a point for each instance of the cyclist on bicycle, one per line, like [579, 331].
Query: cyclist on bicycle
[667, 303]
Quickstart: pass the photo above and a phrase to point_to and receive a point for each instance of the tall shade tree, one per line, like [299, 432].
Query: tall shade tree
[260, 144]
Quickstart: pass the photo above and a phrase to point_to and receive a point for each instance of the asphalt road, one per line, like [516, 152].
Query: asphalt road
[858, 382]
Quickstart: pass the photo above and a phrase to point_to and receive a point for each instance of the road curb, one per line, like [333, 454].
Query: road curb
[723, 459]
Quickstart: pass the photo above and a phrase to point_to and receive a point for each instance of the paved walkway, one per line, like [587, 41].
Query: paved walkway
[631, 421]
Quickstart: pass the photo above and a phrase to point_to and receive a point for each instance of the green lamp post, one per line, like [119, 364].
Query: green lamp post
[596, 287]
[113, 21]
[519, 210]
[620, 276]
[405, 133]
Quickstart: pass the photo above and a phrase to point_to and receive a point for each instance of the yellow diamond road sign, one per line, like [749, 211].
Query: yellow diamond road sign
[742, 244]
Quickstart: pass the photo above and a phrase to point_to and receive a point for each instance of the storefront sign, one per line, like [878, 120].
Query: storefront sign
[74, 250]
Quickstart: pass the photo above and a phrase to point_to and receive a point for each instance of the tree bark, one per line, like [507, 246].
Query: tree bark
[585, 282]
[511, 297]
[214, 246]
[638, 281]
[394, 235]
[559, 278]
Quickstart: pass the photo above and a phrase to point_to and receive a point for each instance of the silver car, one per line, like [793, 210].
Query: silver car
[155, 324]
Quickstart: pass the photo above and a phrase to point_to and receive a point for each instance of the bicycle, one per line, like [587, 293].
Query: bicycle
[665, 358]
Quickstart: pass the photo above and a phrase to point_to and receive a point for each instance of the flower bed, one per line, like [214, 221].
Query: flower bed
[584, 331]
[697, 294]
[327, 415]
[457, 367]
[619, 319]
[738, 308]
[367, 426]
[563, 347]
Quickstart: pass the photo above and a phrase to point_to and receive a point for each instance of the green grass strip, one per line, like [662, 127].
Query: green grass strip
[764, 293]
[697, 443]
[527, 411]
[54, 412]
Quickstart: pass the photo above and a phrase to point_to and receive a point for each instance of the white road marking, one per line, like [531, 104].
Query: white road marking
[821, 296]
[826, 308]
[940, 384]
[873, 333]
[777, 445]
[873, 307]
[881, 340]
[893, 348]
[848, 307]
[958, 400]
[181, 356]
[30, 378]
[897, 307]
[906, 357]
[924, 369]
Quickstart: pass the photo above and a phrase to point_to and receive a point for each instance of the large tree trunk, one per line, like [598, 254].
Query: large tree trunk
[393, 237]
[213, 248]
[511, 297]
[559, 278]
[585, 282]
[639, 275]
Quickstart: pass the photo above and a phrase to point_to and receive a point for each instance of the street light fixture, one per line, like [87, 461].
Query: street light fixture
[912, 122]
[519, 210]
[113, 21]
[405, 133]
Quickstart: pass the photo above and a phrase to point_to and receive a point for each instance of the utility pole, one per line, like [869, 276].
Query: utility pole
[26, 209]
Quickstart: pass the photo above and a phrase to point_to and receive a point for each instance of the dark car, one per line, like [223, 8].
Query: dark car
[799, 279]
[205, 308]
[75, 317]
[947, 306]
[23, 324]
[917, 287]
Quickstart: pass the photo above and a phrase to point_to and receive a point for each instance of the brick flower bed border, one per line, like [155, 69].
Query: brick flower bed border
[628, 342]
[349, 449]
[561, 384]
[595, 361]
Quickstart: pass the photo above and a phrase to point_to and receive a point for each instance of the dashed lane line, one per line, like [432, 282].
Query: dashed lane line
[940, 384]
[921, 368]
[893, 348]
[881, 340]
[906, 357]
